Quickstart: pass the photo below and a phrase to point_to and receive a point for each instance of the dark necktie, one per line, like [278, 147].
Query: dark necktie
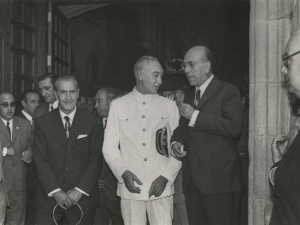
[51, 108]
[67, 125]
[8, 128]
[197, 98]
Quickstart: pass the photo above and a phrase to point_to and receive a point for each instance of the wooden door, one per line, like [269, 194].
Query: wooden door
[58, 60]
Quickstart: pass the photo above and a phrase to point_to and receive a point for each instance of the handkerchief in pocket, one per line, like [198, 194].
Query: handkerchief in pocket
[81, 136]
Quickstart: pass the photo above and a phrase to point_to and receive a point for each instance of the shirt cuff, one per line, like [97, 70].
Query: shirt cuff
[271, 175]
[52, 192]
[4, 152]
[193, 119]
[81, 191]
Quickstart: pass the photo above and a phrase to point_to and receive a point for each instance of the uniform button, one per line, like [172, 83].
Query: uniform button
[66, 168]
[145, 159]
[144, 144]
[143, 116]
[144, 129]
[144, 103]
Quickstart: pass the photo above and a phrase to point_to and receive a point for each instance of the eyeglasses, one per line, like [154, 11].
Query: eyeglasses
[285, 58]
[6, 104]
[190, 64]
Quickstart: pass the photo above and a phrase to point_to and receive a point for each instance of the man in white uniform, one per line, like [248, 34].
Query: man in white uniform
[143, 122]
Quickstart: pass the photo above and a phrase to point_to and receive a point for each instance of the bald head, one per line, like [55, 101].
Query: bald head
[198, 65]
[7, 107]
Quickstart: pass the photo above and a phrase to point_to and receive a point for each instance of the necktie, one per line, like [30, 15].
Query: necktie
[294, 131]
[51, 106]
[197, 100]
[8, 128]
[67, 125]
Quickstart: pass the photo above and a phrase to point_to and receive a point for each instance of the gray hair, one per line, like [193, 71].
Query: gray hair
[139, 65]
[65, 78]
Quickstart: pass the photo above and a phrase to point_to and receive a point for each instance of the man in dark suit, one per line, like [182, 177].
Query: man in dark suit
[46, 89]
[205, 140]
[109, 208]
[30, 99]
[68, 159]
[285, 173]
[15, 137]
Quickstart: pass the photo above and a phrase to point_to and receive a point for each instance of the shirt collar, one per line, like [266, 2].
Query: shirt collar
[27, 115]
[205, 85]
[139, 96]
[71, 115]
[55, 105]
[5, 121]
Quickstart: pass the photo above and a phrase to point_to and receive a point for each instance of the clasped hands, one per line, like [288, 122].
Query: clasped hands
[66, 200]
[156, 189]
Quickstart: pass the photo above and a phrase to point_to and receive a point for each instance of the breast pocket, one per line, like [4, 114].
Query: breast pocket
[160, 120]
[128, 125]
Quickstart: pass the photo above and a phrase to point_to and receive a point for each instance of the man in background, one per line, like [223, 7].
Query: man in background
[30, 99]
[16, 138]
[109, 208]
[46, 89]
[175, 88]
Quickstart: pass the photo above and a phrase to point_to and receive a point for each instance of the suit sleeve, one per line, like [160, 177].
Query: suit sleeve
[111, 150]
[92, 172]
[229, 123]
[172, 167]
[30, 138]
[44, 171]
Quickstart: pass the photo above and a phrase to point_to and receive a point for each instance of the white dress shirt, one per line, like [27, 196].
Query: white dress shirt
[28, 117]
[202, 90]
[54, 105]
[71, 116]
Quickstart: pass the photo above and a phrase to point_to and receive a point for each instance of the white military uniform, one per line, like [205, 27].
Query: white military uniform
[133, 122]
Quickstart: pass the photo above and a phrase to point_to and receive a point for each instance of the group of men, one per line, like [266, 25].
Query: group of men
[148, 138]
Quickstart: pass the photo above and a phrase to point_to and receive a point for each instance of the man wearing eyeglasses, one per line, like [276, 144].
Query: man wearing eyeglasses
[285, 173]
[15, 137]
[205, 141]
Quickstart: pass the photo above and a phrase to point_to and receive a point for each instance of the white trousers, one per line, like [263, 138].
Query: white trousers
[159, 211]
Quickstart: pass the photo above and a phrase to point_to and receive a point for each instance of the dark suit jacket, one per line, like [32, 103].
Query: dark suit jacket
[41, 109]
[212, 157]
[14, 168]
[68, 163]
[286, 208]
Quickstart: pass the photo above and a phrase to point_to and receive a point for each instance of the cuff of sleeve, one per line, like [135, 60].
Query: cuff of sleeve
[4, 152]
[54, 191]
[193, 118]
[81, 191]
[271, 175]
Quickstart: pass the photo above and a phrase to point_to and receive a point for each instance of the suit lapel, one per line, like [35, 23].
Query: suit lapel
[75, 129]
[16, 128]
[210, 90]
[58, 128]
[190, 97]
[4, 130]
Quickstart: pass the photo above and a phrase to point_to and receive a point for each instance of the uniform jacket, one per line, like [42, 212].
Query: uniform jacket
[68, 163]
[212, 158]
[14, 168]
[286, 206]
[138, 152]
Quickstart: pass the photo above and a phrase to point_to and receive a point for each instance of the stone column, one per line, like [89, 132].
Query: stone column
[270, 28]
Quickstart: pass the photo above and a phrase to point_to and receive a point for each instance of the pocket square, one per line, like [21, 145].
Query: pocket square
[81, 136]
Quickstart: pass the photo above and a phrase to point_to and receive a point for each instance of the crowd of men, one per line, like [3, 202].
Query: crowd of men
[61, 163]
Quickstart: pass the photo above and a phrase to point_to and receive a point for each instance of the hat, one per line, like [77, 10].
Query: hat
[174, 82]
